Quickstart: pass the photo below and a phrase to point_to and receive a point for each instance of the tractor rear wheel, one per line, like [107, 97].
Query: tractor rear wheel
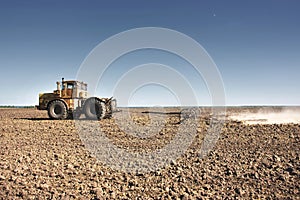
[57, 110]
[94, 109]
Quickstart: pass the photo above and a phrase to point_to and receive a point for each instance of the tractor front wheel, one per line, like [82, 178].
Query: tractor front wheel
[57, 110]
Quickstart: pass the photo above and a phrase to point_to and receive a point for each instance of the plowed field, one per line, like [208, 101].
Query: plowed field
[46, 159]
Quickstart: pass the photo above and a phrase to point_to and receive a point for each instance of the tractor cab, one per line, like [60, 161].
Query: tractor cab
[71, 89]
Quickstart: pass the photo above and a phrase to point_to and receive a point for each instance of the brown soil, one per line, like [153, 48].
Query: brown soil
[45, 159]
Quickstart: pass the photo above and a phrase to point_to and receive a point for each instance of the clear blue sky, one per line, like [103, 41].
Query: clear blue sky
[255, 44]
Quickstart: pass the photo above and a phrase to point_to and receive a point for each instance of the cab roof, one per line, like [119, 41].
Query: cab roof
[73, 81]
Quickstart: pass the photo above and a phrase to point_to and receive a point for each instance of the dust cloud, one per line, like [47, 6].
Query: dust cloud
[264, 116]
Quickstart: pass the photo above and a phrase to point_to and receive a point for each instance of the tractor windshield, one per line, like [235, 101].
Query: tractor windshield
[70, 86]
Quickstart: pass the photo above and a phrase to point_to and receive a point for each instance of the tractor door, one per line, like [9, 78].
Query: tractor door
[67, 90]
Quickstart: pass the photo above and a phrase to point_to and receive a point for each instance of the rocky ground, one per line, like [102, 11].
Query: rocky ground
[46, 159]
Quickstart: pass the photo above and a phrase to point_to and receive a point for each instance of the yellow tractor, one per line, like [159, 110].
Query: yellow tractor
[70, 100]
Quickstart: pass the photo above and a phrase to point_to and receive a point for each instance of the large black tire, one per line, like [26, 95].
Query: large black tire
[94, 109]
[57, 110]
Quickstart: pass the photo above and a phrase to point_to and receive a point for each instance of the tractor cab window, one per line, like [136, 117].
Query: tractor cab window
[70, 86]
[83, 87]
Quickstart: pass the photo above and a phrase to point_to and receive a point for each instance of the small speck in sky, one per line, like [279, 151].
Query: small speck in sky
[214, 15]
